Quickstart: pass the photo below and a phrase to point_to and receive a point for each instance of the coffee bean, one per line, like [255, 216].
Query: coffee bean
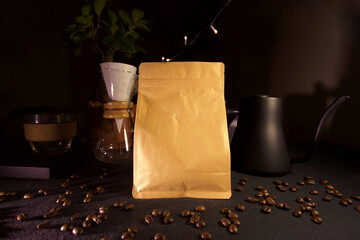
[357, 208]
[270, 201]
[156, 212]
[293, 189]
[21, 217]
[297, 213]
[225, 210]
[78, 231]
[314, 192]
[329, 187]
[316, 219]
[82, 186]
[87, 199]
[69, 192]
[339, 195]
[262, 201]
[200, 209]
[200, 224]
[86, 224]
[252, 200]
[133, 229]
[103, 209]
[314, 213]
[244, 179]
[282, 188]
[240, 207]
[302, 208]
[192, 213]
[327, 198]
[149, 219]
[356, 197]
[308, 208]
[118, 204]
[324, 181]
[168, 220]
[259, 194]
[242, 183]
[50, 214]
[280, 205]
[310, 182]
[90, 217]
[166, 213]
[89, 194]
[287, 206]
[233, 215]
[266, 210]
[277, 182]
[299, 200]
[344, 203]
[2, 193]
[194, 219]
[348, 200]
[61, 199]
[301, 183]
[64, 184]
[225, 222]
[185, 213]
[128, 234]
[75, 216]
[28, 195]
[205, 235]
[307, 177]
[330, 191]
[67, 202]
[235, 221]
[2, 198]
[285, 183]
[97, 219]
[64, 227]
[238, 189]
[43, 225]
[160, 236]
[100, 189]
[103, 216]
[130, 206]
[233, 228]
[307, 199]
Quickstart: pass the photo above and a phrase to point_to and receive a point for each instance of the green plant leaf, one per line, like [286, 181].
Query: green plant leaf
[108, 40]
[99, 6]
[89, 19]
[85, 10]
[112, 17]
[137, 14]
[77, 51]
[114, 28]
[81, 20]
[125, 17]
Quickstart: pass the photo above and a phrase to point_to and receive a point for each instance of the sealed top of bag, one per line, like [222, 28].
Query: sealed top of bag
[181, 70]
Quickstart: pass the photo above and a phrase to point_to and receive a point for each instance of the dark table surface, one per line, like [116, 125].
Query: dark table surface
[340, 166]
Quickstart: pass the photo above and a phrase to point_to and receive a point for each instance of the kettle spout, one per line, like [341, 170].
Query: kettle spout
[332, 108]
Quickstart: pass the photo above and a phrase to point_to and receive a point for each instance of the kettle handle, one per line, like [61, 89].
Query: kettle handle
[332, 108]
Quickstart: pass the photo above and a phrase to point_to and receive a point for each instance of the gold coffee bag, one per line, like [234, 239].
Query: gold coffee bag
[181, 146]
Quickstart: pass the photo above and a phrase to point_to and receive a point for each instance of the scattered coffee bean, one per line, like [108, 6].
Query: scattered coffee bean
[280, 205]
[244, 179]
[233, 215]
[277, 182]
[240, 207]
[156, 212]
[185, 213]
[168, 220]
[242, 183]
[259, 194]
[97, 219]
[160, 236]
[103, 209]
[194, 219]
[235, 221]
[50, 214]
[133, 229]
[192, 213]
[166, 213]
[301, 183]
[21, 217]
[348, 200]
[330, 191]
[307, 199]
[239, 189]
[293, 189]
[28, 195]
[357, 208]
[314, 192]
[344, 203]
[200, 224]
[86, 224]
[90, 217]
[205, 235]
[103, 216]
[225, 222]
[282, 188]
[270, 201]
[252, 200]
[43, 225]
[338, 195]
[297, 213]
[69, 192]
[200, 209]
[118, 204]
[287, 206]
[127, 234]
[266, 210]
[262, 201]
[225, 210]
[2, 193]
[149, 219]
[233, 228]
[329, 187]
[302, 208]
[75, 216]
[64, 227]
[324, 181]
[100, 189]
[356, 197]
[314, 213]
[56, 208]
[316, 219]
[87, 199]
[299, 200]
[310, 182]
[64, 184]
[327, 198]
[67, 202]
[130, 206]
[77, 230]
[82, 186]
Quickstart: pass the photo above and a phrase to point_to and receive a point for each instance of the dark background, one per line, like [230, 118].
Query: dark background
[306, 52]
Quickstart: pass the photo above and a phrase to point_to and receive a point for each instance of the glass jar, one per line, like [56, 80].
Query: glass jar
[115, 144]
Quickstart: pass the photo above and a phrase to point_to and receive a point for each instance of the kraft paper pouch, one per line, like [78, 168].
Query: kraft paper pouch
[181, 146]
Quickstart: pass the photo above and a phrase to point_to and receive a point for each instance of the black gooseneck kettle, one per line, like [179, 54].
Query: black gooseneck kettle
[258, 144]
